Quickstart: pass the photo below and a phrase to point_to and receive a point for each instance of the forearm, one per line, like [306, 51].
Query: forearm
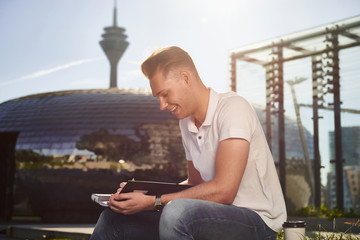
[209, 191]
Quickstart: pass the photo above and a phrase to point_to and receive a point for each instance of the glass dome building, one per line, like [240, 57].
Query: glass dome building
[54, 123]
[69, 143]
[69, 140]
[58, 123]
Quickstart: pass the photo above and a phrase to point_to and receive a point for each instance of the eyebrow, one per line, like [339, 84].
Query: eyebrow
[158, 93]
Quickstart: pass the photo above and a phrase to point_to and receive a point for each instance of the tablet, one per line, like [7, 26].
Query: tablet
[153, 188]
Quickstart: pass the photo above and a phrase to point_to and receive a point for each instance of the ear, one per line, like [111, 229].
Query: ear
[186, 77]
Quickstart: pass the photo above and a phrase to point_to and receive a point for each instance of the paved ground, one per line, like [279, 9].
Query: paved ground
[36, 230]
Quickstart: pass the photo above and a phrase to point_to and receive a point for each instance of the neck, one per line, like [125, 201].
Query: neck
[203, 95]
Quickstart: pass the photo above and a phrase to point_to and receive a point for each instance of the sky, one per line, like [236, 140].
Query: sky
[48, 45]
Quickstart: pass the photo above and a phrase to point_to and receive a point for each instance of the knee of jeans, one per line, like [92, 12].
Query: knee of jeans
[104, 216]
[173, 211]
[172, 219]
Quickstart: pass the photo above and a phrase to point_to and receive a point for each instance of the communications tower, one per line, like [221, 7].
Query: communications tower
[114, 45]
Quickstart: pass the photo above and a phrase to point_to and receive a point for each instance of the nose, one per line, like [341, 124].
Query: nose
[163, 104]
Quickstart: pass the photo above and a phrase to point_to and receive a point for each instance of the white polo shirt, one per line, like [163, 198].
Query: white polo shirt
[231, 116]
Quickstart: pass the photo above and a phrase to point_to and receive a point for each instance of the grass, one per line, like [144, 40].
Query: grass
[324, 211]
[324, 235]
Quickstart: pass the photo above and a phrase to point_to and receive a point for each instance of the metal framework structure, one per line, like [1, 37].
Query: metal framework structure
[322, 45]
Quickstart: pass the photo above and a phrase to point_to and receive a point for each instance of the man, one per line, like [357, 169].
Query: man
[237, 194]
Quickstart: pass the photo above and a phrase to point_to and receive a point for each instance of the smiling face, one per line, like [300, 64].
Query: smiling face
[173, 91]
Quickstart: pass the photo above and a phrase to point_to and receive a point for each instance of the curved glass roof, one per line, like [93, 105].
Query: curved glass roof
[53, 123]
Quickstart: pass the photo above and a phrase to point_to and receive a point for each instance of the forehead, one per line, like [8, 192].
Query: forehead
[158, 83]
[161, 82]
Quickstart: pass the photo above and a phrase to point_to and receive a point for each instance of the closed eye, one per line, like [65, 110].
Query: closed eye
[164, 95]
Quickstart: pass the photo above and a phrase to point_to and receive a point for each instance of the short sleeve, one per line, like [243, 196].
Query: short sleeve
[236, 119]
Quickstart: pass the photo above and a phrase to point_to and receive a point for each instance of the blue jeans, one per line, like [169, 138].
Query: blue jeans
[185, 219]
[112, 225]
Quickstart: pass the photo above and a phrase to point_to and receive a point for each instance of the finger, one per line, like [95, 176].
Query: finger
[119, 207]
[115, 204]
[115, 208]
[112, 196]
[113, 199]
[122, 184]
[121, 197]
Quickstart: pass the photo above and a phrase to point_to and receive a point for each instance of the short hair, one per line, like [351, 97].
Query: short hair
[165, 60]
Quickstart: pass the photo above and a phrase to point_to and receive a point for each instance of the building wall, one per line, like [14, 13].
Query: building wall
[351, 168]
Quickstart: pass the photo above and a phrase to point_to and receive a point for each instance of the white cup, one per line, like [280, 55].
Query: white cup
[294, 230]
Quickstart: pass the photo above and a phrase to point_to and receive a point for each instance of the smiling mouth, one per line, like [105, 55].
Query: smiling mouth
[173, 109]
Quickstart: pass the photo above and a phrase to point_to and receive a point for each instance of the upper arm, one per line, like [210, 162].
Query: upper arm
[231, 160]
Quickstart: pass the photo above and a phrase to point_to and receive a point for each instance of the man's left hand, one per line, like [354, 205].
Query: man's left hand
[131, 203]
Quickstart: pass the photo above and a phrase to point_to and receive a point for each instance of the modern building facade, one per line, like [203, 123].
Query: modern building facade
[351, 172]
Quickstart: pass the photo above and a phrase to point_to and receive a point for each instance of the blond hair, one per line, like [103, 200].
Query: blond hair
[167, 59]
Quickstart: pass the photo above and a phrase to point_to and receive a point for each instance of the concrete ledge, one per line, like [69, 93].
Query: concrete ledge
[76, 232]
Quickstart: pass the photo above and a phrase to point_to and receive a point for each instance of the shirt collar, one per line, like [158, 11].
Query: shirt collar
[213, 100]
